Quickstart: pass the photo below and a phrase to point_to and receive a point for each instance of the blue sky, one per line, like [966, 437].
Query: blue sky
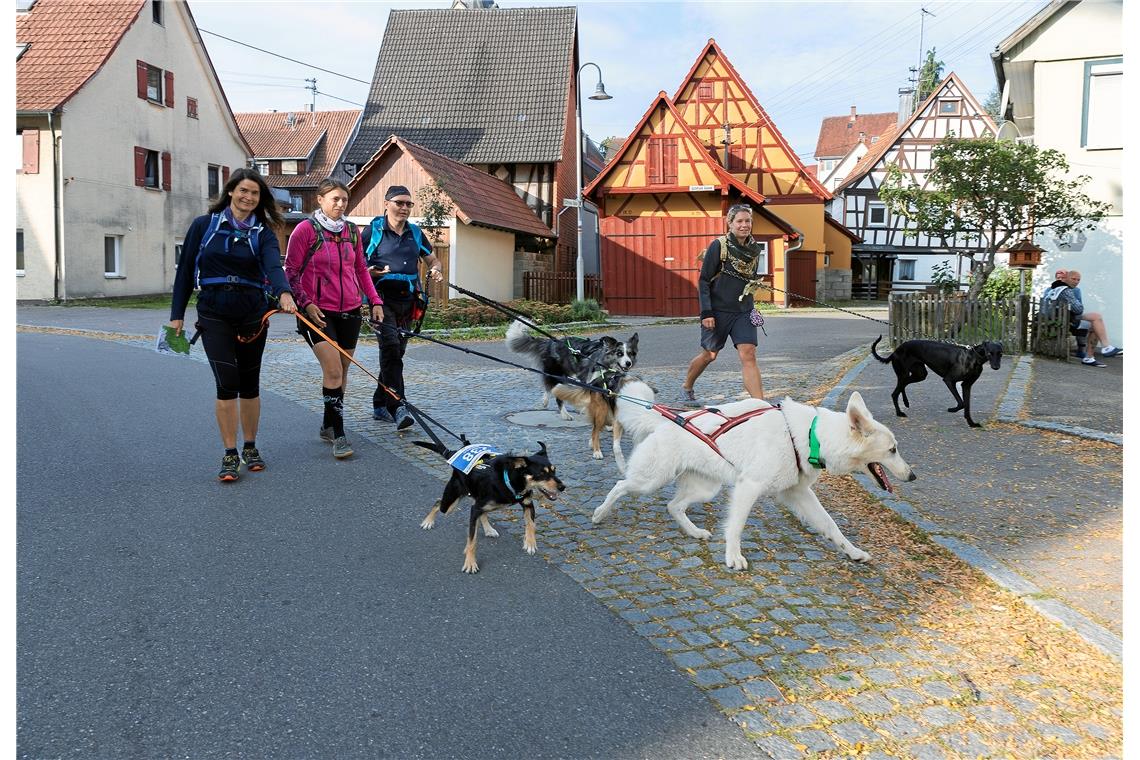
[803, 60]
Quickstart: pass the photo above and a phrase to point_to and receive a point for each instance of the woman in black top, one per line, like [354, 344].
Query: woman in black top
[726, 309]
[233, 255]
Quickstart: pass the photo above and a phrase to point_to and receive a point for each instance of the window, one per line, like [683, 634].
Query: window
[705, 91]
[876, 215]
[874, 139]
[661, 161]
[949, 106]
[736, 158]
[177, 253]
[1102, 114]
[154, 84]
[112, 251]
[906, 269]
[192, 107]
[19, 251]
[262, 168]
[297, 202]
[762, 264]
[152, 169]
[289, 167]
[827, 164]
[156, 11]
[28, 150]
[213, 181]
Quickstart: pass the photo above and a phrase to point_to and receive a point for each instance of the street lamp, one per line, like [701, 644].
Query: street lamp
[599, 94]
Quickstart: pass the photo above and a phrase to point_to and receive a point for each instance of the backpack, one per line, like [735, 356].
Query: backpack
[231, 234]
[1051, 302]
[723, 255]
[377, 232]
[319, 240]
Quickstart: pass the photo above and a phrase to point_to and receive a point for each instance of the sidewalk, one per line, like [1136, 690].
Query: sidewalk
[914, 654]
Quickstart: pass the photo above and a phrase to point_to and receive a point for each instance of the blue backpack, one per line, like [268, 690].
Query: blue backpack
[232, 235]
[374, 243]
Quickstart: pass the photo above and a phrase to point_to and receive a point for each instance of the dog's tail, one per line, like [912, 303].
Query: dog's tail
[884, 359]
[636, 418]
[522, 342]
[438, 448]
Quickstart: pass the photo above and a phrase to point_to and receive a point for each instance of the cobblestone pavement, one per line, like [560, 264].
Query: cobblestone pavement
[913, 655]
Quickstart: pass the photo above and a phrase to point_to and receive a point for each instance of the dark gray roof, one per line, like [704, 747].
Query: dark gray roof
[478, 86]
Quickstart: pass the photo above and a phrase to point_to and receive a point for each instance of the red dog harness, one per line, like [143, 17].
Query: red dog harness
[673, 415]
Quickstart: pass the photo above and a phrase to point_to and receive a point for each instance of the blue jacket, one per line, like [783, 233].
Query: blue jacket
[240, 261]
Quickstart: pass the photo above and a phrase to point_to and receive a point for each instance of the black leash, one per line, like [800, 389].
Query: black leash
[523, 317]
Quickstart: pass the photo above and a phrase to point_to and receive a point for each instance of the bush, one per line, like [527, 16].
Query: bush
[588, 310]
[467, 312]
[1003, 282]
[942, 277]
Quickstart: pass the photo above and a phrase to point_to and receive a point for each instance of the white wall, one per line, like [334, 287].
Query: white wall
[101, 126]
[35, 216]
[1101, 264]
[482, 260]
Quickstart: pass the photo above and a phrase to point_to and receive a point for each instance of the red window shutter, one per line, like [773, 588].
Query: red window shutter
[736, 158]
[165, 170]
[169, 89]
[140, 75]
[669, 162]
[225, 174]
[31, 160]
[653, 162]
[140, 166]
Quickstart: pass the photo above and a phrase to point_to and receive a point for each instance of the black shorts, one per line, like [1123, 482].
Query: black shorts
[342, 327]
[734, 324]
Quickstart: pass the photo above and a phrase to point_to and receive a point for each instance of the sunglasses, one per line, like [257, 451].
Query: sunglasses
[403, 204]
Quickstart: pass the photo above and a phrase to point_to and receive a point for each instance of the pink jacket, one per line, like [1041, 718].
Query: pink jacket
[336, 277]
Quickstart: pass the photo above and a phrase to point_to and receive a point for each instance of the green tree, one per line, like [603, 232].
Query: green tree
[435, 208]
[928, 77]
[610, 146]
[995, 192]
[993, 106]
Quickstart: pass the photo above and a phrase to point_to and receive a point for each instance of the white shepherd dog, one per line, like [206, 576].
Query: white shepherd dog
[766, 455]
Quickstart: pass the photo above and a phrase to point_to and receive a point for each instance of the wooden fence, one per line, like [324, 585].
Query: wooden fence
[1016, 322]
[559, 287]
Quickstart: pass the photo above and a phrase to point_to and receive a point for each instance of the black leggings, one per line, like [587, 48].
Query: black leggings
[236, 364]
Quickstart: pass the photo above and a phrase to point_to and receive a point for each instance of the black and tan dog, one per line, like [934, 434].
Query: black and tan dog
[494, 481]
[591, 360]
[950, 362]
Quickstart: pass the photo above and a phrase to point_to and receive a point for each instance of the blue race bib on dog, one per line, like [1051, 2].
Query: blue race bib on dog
[467, 457]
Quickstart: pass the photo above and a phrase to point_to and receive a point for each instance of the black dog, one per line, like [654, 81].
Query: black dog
[952, 363]
[494, 482]
[592, 360]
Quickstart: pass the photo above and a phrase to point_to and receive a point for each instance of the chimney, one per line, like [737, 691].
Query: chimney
[862, 136]
[852, 114]
[906, 103]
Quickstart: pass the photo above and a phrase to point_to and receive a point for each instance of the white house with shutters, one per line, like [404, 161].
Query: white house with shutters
[125, 134]
[888, 259]
[1061, 75]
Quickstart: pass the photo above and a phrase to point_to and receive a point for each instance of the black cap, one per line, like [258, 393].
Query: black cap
[395, 191]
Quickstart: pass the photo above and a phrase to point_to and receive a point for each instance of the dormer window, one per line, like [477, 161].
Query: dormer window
[949, 106]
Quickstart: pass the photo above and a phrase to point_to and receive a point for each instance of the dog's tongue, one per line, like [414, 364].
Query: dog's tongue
[881, 473]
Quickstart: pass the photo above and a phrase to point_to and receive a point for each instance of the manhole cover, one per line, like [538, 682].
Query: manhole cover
[545, 418]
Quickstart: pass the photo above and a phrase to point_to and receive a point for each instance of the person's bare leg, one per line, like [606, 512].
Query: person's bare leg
[226, 412]
[751, 370]
[698, 365]
[1096, 325]
[250, 409]
[332, 364]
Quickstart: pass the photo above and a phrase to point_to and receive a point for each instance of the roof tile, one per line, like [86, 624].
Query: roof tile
[836, 139]
[270, 136]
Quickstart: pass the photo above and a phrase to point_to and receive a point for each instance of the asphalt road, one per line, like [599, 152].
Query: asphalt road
[299, 612]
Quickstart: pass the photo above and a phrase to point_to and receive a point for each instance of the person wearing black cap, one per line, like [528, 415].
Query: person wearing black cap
[394, 247]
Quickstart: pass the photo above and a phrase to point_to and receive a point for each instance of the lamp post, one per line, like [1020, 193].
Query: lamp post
[599, 94]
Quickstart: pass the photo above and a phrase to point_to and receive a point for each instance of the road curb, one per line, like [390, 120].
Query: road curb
[1010, 405]
[1013, 403]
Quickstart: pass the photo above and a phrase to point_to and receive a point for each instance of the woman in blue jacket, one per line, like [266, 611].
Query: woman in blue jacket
[232, 254]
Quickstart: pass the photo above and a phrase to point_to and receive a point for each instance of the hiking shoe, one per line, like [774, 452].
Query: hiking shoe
[403, 419]
[1111, 351]
[1091, 362]
[341, 449]
[688, 394]
[230, 465]
[382, 414]
[327, 435]
[252, 458]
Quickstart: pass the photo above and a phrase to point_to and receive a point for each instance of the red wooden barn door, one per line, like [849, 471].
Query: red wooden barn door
[685, 239]
[633, 273]
[801, 277]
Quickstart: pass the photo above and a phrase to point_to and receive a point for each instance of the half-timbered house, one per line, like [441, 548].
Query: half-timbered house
[888, 258]
[665, 194]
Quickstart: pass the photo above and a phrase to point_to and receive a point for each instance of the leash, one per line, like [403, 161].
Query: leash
[523, 317]
[417, 414]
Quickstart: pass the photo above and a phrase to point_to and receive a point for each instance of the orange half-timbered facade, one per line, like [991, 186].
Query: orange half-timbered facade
[887, 254]
[665, 194]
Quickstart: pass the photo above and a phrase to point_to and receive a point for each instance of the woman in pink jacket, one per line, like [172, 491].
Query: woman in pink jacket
[328, 273]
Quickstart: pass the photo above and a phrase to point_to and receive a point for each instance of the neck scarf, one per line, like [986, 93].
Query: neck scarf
[249, 223]
[742, 258]
[335, 227]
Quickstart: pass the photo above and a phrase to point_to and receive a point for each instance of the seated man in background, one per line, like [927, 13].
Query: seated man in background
[1093, 321]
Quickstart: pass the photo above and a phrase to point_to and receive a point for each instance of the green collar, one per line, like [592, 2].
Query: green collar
[814, 459]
